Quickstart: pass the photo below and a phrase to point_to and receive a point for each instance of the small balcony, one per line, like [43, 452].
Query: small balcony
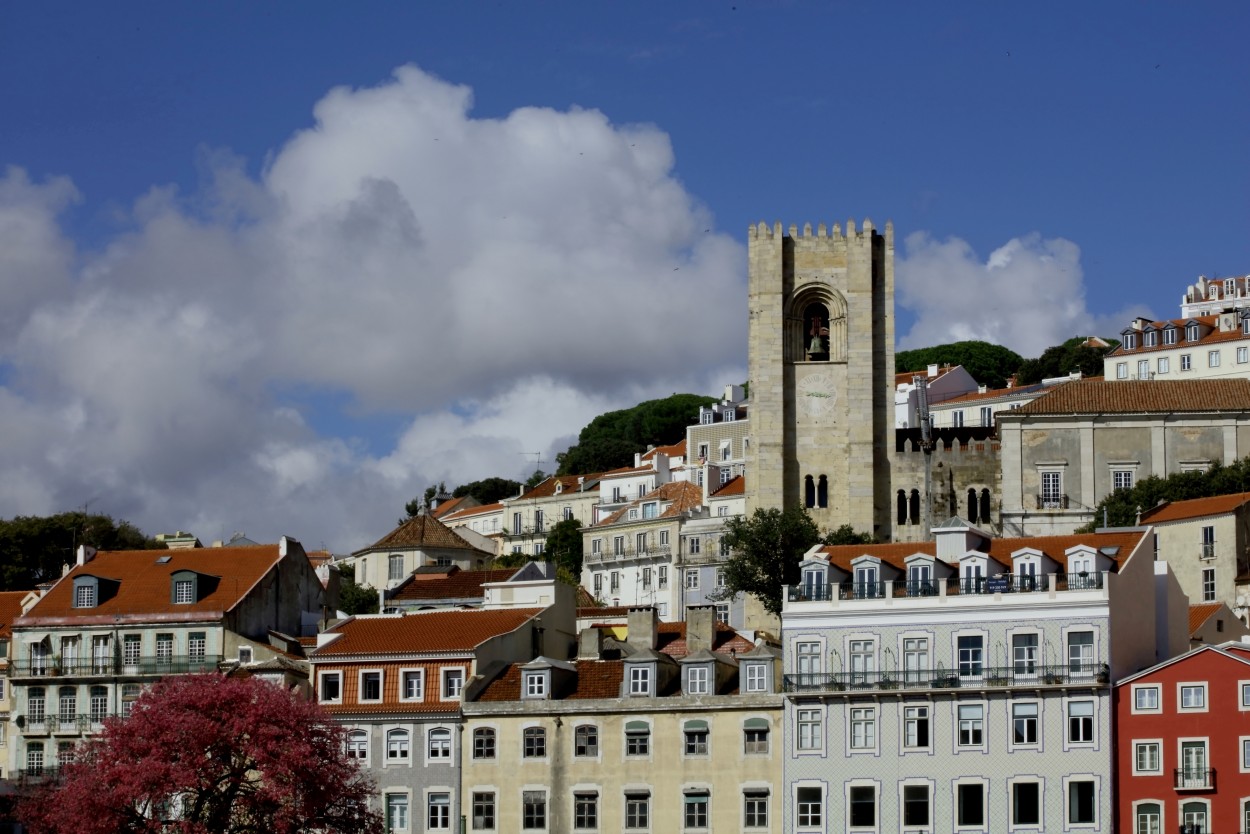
[1194, 779]
[975, 677]
[79, 724]
[35, 774]
[1207, 551]
[1002, 583]
[1052, 502]
[651, 551]
[41, 668]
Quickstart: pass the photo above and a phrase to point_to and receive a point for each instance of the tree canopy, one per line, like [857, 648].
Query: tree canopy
[846, 535]
[33, 549]
[355, 599]
[1120, 507]
[488, 490]
[766, 549]
[989, 364]
[611, 440]
[207, 754]
[1061, 360]
[564, 545]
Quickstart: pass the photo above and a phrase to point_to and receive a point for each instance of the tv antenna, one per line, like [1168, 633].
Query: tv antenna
[538, 459]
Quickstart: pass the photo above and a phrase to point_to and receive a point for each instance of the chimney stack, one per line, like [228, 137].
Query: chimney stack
[641, 625]
[700, 628]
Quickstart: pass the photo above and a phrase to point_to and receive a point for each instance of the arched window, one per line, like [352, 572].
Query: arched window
[484, 743]
[440, 743]
[809, 492]
[822, 492]
[67, 707]
[815, 326]
[358, 745]
[914, 508]
[985, 506]
[972, 506]
[902, 507]
[534, 743]
[397, 745]
[1149, 818]
[586, 740]
[99, 704]
[816, 317]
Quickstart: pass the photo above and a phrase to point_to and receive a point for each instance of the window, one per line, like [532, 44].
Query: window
[662, 571]
[440, 743]
[755, 737]
[99, 704]
[971, 647]
[84, 596]
[453, 682]
[1169, 336]
[1143, 369]
[1121, 370]
[131, 650]
[483, 811]
[1145, 698]
[694, 551]
[1193, 696]
[1187, 362]
[811, 807]
[196, 644]
[331, 687]
[957, 418]
[1052, 490]
[164, 649]
[1165, 365]
[1208, 584]
[585, 810]
[637, 738]
[1194, 818]
[1245, 687]
[1024, 652]
[184, 591]
[640, 680]
[438, 808]
[1152, 338]
[696, 734]
[1146, 758]
[534, 810]
[34, 758]
[1024, 723]
[916, 727]
[1243, 354]
[722, 612]
[397, 745]
[130, 694]
[586, 740]
[1081, 722]
[534, 743]
[987, 416]
[371, 686]
[1148, 818]
[413, 684]
[808, 658]
[535, 685]
[598, 584]
[863, 657]
[1026, 805]
[720, 573]
[915, 805]
[35, 704]
[863, 728]
[971, 724]
[970, 804]
[810, 736]
[756, 675]
[614, 581]
[395, 567]
[484, 743]
[245, 654]
[697, 680]
[1121, 479]
[67, 705]
[596, 546]
[358, 745]
[1130, 341]
[915, 659]
[724, 455]
[1080, 652]
[862, 808]
[1213, 359]
[1191, 332]
[696, 810]
[755, 809]
[1193, 765]
[646, 578]
[397, 812]
[637, 810]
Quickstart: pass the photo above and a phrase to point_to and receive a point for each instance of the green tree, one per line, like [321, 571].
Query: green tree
[1063, 359]
[488, 490]
[1120, 507]
[846, 535]
[355, 599]
[33, 549]
[611, 440]
[564, 545]
[765, 551]
[537, 478]
[989, 364]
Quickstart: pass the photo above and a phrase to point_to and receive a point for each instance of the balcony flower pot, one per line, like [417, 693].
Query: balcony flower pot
[1052, 677]
[997, 680]
[887, 683]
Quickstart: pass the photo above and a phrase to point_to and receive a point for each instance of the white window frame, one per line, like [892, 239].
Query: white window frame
[402, 746]
[360, 686]
[1243, 690]
[1142, 688]
[322, 677]
[1092, 741]
[1184, 688]
[1040, 825]
[861, 730]
[640, 680]
[1138, 744]
[960, 746]
[1067, 782]
[1187, 362]
[1165, 365]
[922, 713]
[756, 677]
[1213, 358]
[534, 685]
[809, 735]
[446, 674]
[697, 680]
[1025, 704]
[403, 684]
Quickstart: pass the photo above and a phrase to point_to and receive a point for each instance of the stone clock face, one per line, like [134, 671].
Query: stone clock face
[817, 394]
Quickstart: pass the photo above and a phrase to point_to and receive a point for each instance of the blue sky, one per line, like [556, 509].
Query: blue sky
[276, 267]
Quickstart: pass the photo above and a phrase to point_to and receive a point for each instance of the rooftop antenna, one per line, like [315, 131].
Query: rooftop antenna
[538, 459]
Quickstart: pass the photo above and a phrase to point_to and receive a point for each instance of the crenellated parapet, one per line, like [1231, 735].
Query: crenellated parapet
[761, 231]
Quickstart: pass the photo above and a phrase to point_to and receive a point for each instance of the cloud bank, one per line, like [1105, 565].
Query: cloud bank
[488, 285]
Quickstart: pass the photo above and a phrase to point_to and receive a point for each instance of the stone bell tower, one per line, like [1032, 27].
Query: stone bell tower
[821, 367]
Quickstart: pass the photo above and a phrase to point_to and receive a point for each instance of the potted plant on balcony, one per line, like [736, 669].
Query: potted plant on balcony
[1052, 676]
[55, 669]
[887, 682]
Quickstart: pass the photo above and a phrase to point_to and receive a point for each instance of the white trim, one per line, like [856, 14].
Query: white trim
[1181, 686]
[1066, 782]
[360, 686]
[321, 676]
[1158, 708]
[1158, 742]
[403, 673]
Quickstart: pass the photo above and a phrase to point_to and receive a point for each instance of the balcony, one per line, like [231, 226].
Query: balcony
[62, 725]
[1003, 583]
[35, 774]
[98, 667]
[977, 678]
[1207, 551]
[651, 551]
[1194, 779]
[1052, 502]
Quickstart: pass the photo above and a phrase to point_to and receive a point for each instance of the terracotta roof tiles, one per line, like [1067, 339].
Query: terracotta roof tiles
[419, 531]
[1000, 550]
[567, 483]
[424, 632]
[1199, 614]
[1141, 396]
[1194, 508]
[737, 485]
[10, 609]
[453, 584]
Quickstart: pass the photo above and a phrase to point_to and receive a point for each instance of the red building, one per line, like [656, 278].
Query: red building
[1183, 744]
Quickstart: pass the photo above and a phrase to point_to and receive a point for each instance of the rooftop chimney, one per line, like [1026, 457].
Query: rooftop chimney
[933, 369]
[700, 627]
[641, 625]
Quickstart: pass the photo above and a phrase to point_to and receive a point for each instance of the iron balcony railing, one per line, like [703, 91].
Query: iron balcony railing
[1194, 779]
[1207, 551]
[1052, 502]
[35, 774]
[1003, 583]
[631, 553]
[58, 724]
[975, 676]
[87, 667]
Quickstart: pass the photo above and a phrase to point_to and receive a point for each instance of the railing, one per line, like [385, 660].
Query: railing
[1207, 552]
[86, 667]
[57, 724]
[1003, 583]
[631, 553]
[35, 774]
[1194, 779]
[978, 677]
[1052, 502]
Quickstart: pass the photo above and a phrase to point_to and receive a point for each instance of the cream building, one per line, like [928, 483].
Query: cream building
[529, 517]
[821, 366]
[418, 542]
[1199, 347]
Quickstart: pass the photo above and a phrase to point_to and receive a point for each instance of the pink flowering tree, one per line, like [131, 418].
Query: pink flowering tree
[207, 754]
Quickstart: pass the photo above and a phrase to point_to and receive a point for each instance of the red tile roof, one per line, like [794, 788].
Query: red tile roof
[676, 450]
[567, 483]
[144, 582]
[671, 640]
[1194, 508]
[905, 377]
[419, 531]
[737, 485]
[1209, 323]
[449, 506]
[1154, 396]
[452, 584]
[1000, 550]
[680, 496]
[1199, 614]
[10, 609]
[424, 631]
[472, 511]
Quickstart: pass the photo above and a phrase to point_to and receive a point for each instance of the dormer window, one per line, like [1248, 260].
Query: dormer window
[1191, 332]
[640, 680]
[755, 676]
[698, 680]
[86, 592]
[536, 684]
[1213, 292]
[1152, 338]
[1245, 325]
[650, 509]
[1130, 340]
[729, 415]
[184, 591]
[706, 416]
[1169, 335]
